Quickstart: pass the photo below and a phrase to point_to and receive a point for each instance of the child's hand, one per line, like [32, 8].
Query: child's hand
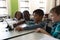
[19, 28]
[40, 30]
[37, 30]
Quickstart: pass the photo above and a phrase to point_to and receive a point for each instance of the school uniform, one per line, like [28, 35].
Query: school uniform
[55, 32]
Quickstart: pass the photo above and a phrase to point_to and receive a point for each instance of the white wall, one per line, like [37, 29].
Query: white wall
[58, 2]
[50, 4]
[35, 4]
[8, 7]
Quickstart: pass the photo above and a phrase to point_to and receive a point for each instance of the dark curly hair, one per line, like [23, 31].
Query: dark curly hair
[38, 12]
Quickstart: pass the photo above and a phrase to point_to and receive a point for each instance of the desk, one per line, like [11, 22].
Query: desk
[32, 36]
[4, 33]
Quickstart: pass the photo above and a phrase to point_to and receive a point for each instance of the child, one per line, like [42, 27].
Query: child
[38, 15]
[18, 18]
[26, 15]
[27, 18]
[55, 32]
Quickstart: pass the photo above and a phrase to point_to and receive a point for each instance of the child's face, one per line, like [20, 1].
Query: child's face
[37, 17]
[55, 17]
[18, 15]
[26, 15]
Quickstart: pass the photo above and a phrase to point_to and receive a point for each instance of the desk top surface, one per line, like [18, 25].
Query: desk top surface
[34, 36]
[4, 33]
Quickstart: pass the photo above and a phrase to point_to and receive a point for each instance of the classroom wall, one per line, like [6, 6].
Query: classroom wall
[58, 2]
[50, 4]
[9, 8]
[33, 5]
[14, 7]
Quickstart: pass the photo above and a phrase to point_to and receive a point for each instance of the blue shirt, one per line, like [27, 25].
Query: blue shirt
[55, 32]
[34, 26]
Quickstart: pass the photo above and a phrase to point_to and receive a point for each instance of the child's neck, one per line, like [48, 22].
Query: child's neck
[38, 21]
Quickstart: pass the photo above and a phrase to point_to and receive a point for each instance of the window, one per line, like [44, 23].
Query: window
[31, 5]
[23, 5]
[3, 7]
[37, 4]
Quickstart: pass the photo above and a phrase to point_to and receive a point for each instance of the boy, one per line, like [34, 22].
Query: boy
[55, 32]
[38, 15]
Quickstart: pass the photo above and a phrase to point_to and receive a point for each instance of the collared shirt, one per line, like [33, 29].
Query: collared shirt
[19, 20]
[55, 32]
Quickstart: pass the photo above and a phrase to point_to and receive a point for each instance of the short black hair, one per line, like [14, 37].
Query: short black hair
[26, 15]
[39, 12]
[56, 10]
[26, 12]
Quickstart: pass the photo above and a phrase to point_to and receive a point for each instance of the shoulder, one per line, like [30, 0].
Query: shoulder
[58, 26]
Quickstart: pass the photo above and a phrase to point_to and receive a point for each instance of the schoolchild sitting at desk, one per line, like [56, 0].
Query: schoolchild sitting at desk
[18, 18]
[38, 16]
[55, 32]
[26, 16]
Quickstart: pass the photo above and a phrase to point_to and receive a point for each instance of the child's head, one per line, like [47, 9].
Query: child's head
[55, 13]
[38, 14]
[18, 15]
[26, 15]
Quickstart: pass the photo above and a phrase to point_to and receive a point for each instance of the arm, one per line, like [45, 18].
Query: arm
[19, 23]
[42, 31]
[31, 27]
[41, 25]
